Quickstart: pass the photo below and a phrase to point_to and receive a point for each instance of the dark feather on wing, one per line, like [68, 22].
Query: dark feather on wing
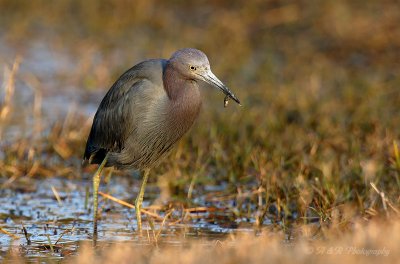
[111, 123]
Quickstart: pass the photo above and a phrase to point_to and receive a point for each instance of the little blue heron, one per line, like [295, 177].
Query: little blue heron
[146, 111]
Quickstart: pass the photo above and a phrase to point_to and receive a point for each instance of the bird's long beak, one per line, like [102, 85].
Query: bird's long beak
[211, 79]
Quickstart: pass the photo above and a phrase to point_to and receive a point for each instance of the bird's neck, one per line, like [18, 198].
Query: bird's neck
[174, 83]
[184, 98]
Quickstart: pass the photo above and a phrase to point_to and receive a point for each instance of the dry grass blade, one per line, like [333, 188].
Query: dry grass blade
[56, 195]
[8, 233]
[203, 209]
[9, 88]
[163, 223]
[9, 181]
[63, 233]
[50, 244]
[396, 153]
[112, 198]
[5, 107]
[385, 200]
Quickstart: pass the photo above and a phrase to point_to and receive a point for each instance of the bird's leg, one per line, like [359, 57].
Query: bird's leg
[108, 175]
[96, 183]
[139, 200]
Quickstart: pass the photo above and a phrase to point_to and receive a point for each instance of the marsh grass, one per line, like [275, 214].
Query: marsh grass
[370, 242]
[313, 153]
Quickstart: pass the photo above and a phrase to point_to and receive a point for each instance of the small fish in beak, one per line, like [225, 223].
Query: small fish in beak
[226, 100]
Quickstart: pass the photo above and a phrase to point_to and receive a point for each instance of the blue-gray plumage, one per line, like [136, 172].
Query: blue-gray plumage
[147, 110]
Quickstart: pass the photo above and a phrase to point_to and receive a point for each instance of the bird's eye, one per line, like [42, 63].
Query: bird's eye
[192, 68]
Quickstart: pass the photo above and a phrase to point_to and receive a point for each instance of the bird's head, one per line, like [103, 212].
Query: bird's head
[193, 64]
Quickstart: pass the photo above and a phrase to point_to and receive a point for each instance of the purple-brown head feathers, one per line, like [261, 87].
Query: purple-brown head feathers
[193, 64]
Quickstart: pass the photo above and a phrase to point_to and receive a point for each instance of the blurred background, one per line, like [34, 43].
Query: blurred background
[319, 82]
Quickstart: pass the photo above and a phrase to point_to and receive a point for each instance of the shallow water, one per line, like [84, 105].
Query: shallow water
[67, 223]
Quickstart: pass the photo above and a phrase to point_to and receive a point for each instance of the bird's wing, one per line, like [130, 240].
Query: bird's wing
[113, 120]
